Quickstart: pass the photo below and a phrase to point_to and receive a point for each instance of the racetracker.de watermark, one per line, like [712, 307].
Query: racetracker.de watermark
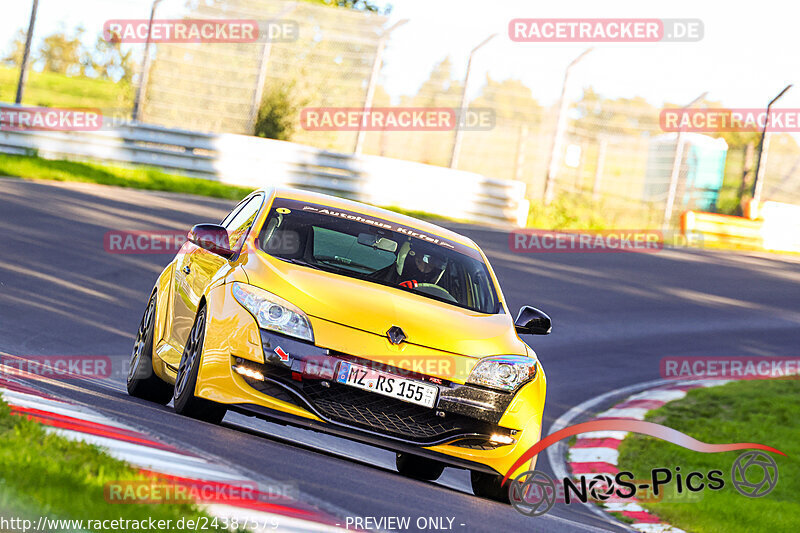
[396, 119]
[138, 242]
[730, 120]
[200, 31]
[180, 490]
[22, 118]
[413, 367]
[144, 242]
[605, 30]
[605, 241]
[737, 367]
[56, 366]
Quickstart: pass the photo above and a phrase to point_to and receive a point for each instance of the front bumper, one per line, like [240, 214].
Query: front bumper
[298, 389]
[462, 414]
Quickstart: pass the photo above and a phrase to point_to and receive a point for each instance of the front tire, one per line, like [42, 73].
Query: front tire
[186, 403]
[142, 382]
[489, 486]
[417, 467]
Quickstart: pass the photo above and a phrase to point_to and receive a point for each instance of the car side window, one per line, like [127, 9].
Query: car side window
[229, 216]
[238, 222]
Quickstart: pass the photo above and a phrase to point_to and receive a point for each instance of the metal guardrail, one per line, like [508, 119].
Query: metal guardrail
[257, 162]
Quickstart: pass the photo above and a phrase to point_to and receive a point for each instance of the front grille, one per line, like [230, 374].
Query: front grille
[370, 411]
[478, 444]
[385, 415]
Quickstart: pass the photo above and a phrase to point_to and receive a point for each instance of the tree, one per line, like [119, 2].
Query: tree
[16, 50]
[108, 61]
[623, 116]
[278, 114]
[510, 99]
[63, 54]
[440, 89]
[360, 5]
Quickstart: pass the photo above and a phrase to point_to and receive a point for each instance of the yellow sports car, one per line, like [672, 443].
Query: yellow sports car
[352, 320]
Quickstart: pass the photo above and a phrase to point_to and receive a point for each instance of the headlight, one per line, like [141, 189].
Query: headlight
[506, 372]
[273, 312]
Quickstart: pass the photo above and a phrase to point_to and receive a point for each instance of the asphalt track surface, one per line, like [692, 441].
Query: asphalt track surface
[615, 316]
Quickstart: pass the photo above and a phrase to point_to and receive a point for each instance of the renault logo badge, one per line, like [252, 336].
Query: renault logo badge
[396, 335]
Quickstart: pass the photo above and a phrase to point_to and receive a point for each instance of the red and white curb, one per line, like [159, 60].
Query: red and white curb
[263, 510]
[597, 452]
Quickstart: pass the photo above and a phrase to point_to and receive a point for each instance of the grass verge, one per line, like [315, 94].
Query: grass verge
[575, 211]
[43, 474]
[763, 412]
[49, 89]
[32, 167]
[566, 213]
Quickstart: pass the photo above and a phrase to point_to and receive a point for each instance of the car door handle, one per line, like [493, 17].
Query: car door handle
[186, 269]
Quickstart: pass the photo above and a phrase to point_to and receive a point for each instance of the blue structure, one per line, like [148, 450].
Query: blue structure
[701, 172]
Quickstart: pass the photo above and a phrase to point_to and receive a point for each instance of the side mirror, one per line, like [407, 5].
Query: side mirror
[532, 321]
[211, 237]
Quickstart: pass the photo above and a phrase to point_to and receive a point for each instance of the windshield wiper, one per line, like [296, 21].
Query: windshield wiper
[342, 261]
[298, 262]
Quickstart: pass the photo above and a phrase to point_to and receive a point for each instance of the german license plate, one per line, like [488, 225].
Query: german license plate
[394, 386]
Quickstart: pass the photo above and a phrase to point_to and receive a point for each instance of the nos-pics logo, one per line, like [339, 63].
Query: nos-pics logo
[753, 474]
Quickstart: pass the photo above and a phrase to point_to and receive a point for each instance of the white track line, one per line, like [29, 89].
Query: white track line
[660, 395]
[153, 459]
[659, 392]
[592, 455]
[161, 460]
[637, 413]
[557, 452]
[619, 435]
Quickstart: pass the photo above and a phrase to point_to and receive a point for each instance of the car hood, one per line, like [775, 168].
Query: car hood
[375, 308]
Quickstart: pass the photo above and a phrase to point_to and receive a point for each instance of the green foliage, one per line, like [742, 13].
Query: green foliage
[43, 474]
[134, 177]
[620, 116]
[441, 89]
[16, 50]
[511, 99]
[59, 90]
[565, 212]
[62, 53]
[278, 114]
[760, 411]
[108, 61]
[360, 5]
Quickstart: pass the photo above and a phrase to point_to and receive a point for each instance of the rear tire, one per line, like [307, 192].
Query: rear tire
[186, 403]
[417, 467]
[489, 486]
[142, 382]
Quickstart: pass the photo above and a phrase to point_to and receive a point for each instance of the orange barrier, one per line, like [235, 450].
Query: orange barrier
[723, 229]
[771, 226]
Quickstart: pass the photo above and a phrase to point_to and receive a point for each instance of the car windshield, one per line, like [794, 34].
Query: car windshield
[375, 250]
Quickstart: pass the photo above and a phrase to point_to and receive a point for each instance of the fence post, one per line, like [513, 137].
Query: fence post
[747, 174]
[598, 171]
[558, 134]
[520, 160]
[145, 68]
[579, 170]
[261, 79]
[763, 149]
[26, 54]
[676, 168]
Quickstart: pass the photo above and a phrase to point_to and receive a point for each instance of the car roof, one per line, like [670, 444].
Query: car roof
[335, 202]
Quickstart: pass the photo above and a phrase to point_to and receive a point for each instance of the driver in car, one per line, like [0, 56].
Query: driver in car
[420, 267]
